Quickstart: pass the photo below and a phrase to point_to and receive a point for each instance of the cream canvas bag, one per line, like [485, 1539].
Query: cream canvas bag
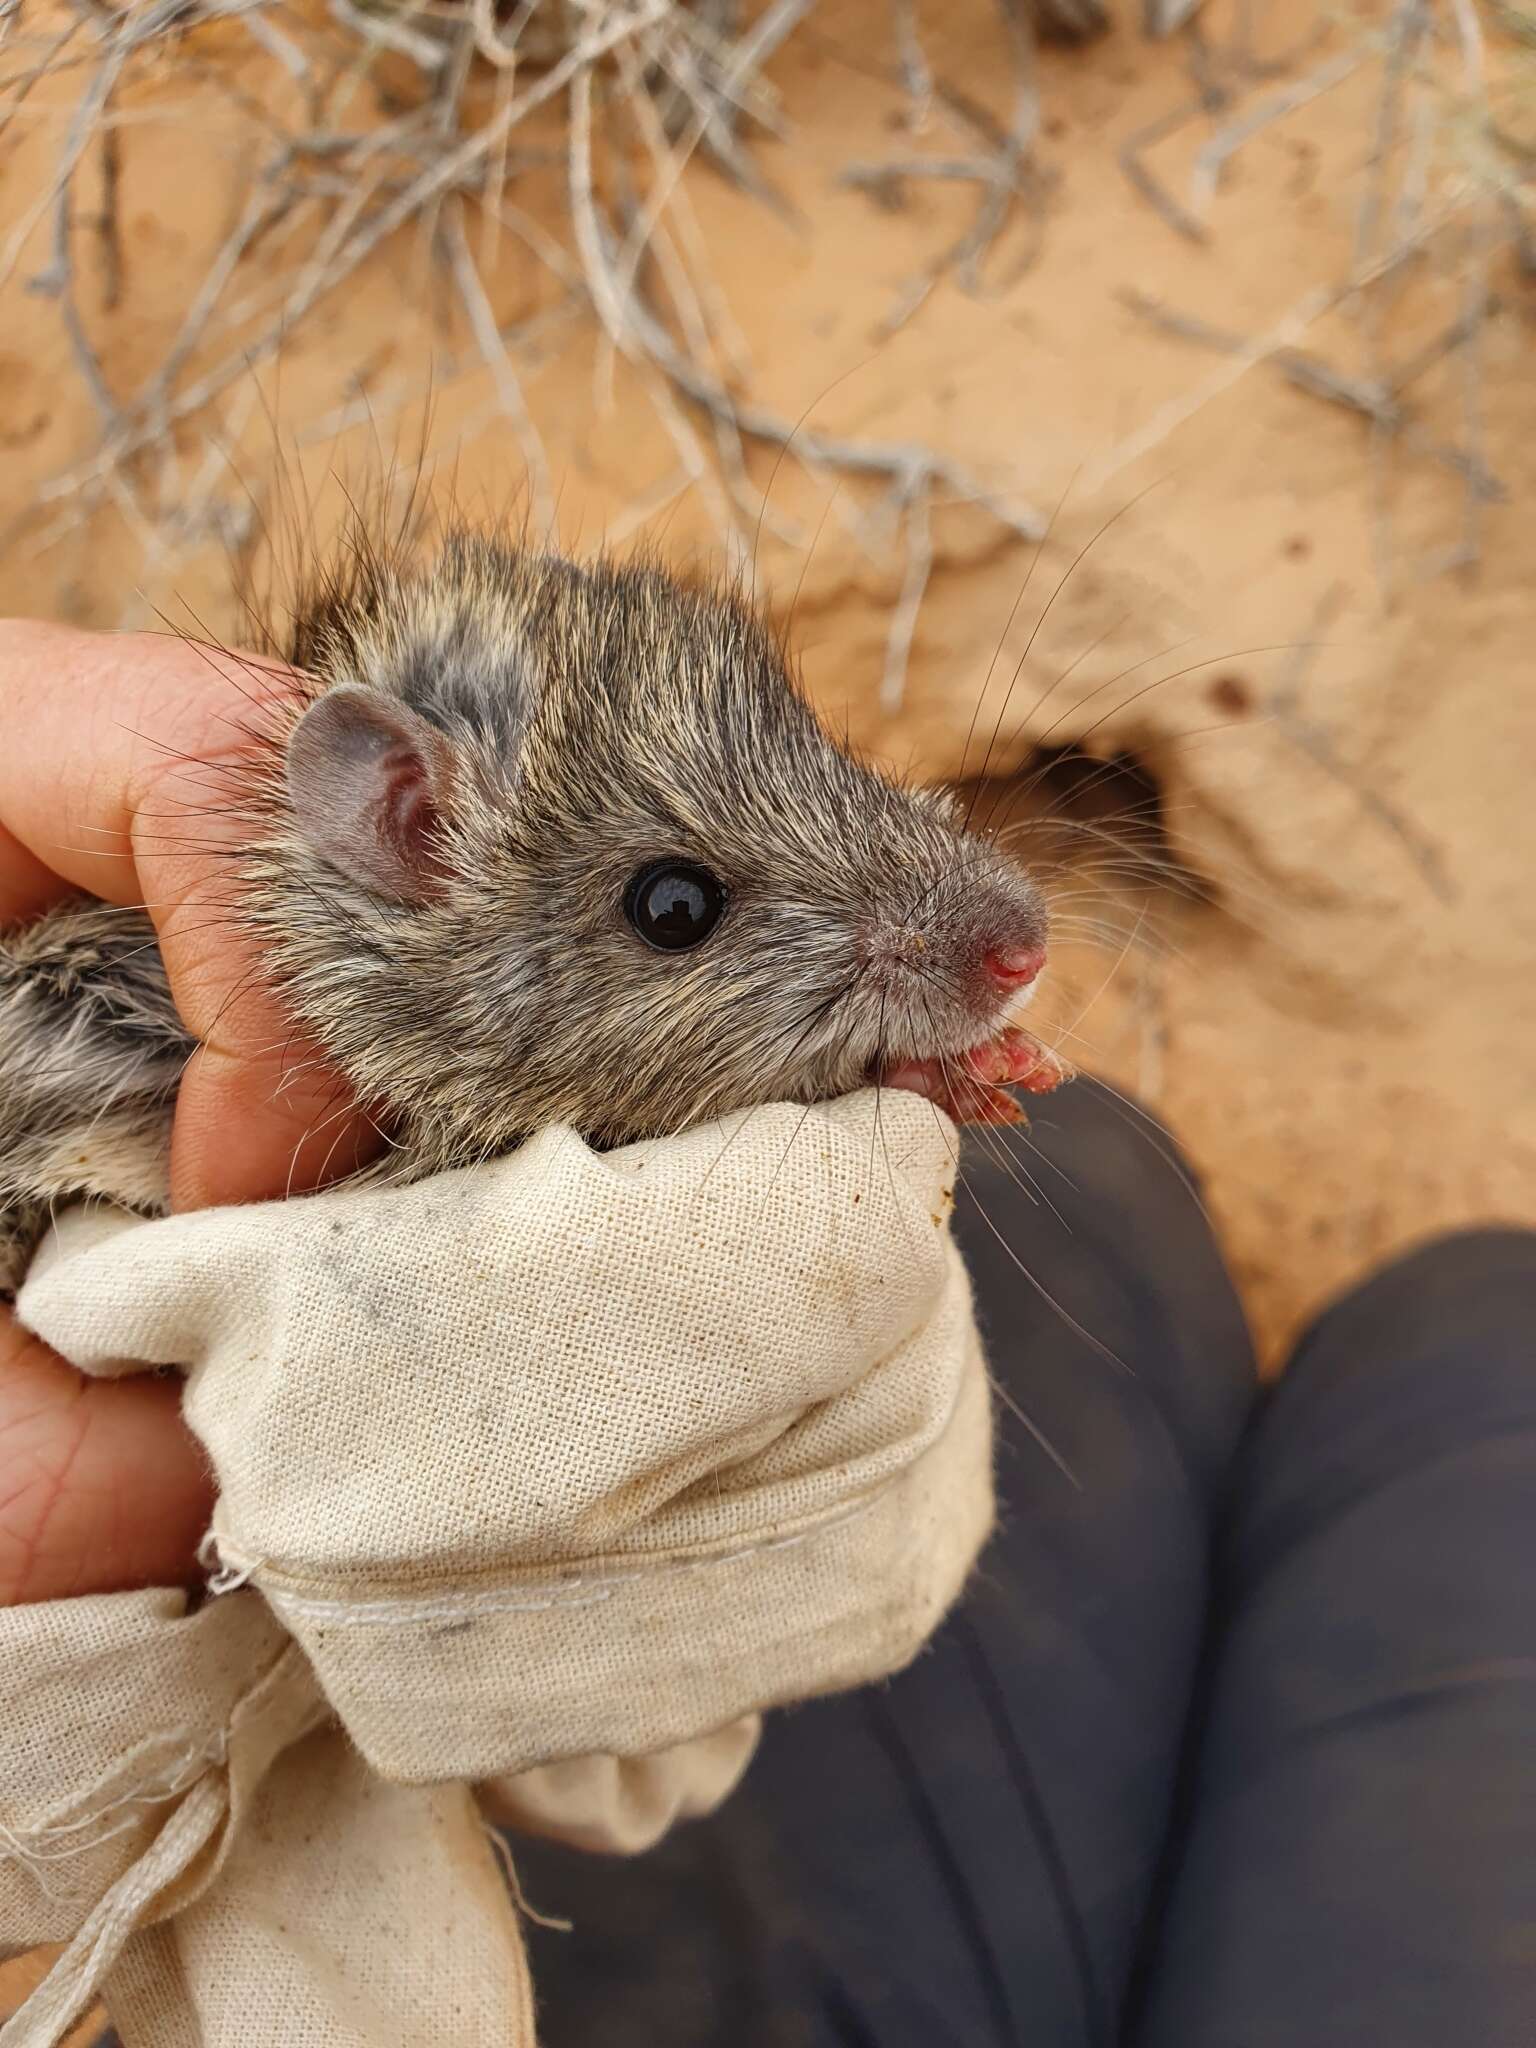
[538, 1482]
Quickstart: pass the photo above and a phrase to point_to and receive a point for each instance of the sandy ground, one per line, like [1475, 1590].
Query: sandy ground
[1341, 1028]
[1331, 991]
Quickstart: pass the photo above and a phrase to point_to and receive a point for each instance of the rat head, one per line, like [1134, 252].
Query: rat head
[566, 844]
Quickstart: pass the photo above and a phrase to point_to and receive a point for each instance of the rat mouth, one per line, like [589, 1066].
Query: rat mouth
[973, 1086]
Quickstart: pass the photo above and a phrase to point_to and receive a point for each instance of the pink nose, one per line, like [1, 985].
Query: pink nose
[1014, 966]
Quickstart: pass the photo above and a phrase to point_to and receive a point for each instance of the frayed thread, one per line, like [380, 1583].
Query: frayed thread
[67, 1841]
[503, 1855]
[225, 1574]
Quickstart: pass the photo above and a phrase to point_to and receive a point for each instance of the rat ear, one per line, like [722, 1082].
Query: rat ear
[369, 780]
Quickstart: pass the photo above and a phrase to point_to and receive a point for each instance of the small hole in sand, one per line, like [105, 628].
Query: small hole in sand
[1066, 809]
[1231, 693]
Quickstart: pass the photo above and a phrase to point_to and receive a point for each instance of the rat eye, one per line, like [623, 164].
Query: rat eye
[674, 904]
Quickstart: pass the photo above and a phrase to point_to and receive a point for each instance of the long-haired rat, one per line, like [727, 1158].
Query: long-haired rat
[541, 842]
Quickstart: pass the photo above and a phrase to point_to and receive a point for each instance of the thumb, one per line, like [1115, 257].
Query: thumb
[103, 1488]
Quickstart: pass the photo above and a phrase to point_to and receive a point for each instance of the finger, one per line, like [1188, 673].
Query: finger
[104, 1487]
[298, 1124]
[26, 886]
[93, 721]
[130, 786]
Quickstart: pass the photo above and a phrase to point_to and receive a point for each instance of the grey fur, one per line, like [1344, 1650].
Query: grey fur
[91, 1051]
[597, 718]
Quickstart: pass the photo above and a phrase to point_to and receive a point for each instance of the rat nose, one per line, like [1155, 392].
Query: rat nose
[1014, 967]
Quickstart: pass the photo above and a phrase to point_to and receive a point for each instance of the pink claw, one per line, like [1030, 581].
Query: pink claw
[974, 1090]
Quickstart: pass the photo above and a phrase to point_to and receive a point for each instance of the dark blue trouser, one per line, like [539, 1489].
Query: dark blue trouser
[1233, 1747]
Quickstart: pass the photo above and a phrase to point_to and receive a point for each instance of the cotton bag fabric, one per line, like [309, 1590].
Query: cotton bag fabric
[538, 1482]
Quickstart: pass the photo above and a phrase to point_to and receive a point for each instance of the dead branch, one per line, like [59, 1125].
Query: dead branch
[1131, 158]
[348, 240]
[1374, 400]
[912, 59]
[388, 32]
[498, 360]
[1225, 144]
[1001, 168]
[1165, 18]
[1314, 739]
[918, 544]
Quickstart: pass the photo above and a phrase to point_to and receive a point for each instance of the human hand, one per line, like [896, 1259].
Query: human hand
[112, 752]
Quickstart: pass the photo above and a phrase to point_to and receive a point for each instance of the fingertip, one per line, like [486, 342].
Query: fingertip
[110, 1489]
[116, 723]
[27, 887]
[129, 787]
[252, 1130]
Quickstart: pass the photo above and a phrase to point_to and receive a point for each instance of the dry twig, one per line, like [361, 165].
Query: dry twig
[1001, 165]
[1314, 739]
[329, 185]
[1380, 402]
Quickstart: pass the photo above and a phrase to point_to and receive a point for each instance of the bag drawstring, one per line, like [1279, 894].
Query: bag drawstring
[77, 1976]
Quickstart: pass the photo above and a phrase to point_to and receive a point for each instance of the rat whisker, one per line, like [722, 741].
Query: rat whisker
[988, 1137]
[1116, 965]
[1177, 675]
[1128, 506]
[1020, 1415]
[810, 1020]
[208, 647]
[1041, 1440]
[1041, 740]
[882, 1041]
[1025, 1137]
[342, 1117]
[1078, 1329]
[986, 681]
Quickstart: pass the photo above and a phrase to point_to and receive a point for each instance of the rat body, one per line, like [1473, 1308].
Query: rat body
[539, 842]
